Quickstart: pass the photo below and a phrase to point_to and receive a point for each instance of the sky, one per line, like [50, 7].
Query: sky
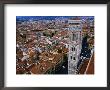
[49, 17]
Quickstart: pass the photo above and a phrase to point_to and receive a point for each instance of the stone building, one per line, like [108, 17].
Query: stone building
[75, 44]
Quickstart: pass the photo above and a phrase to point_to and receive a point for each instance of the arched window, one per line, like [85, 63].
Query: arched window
[71, 57]
[73, 48]
[74, 58]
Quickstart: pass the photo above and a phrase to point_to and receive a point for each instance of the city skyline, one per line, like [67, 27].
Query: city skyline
[55, 45]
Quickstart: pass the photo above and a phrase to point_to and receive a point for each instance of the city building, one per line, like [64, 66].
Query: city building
[61, 45]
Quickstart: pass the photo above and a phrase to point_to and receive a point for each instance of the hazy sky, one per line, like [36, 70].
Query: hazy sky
[49, 17]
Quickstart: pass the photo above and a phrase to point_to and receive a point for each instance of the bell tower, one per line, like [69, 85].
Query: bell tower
[75, 43]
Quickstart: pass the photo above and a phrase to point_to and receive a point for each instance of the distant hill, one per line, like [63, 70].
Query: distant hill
[26, 18]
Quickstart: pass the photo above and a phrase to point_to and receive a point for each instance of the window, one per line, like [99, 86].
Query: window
[77, 36]
[73, 48]
[71, 57]
[74, 58]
